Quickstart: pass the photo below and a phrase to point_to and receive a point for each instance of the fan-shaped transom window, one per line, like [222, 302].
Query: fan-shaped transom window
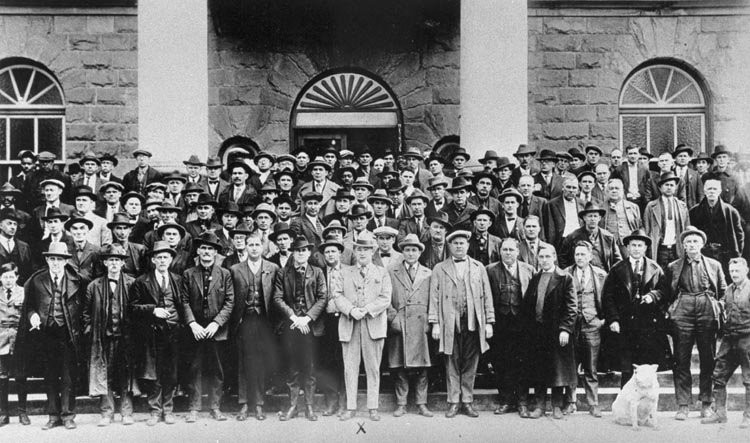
[662, 106]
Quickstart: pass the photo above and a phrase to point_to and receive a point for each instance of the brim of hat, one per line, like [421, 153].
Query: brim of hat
[431, 220]
[62, 217]
[412, 155]
[170, 250]
[685, 234]
[716, 154]
[260, 211]
[174, 177]
[112, 225]
[56, 254]
[674, 179]
[213, 203]
[363, 185]
[84, 160]
[413, 197]
[234, 232]
[15, 193]
[694, 161]
[112, 185]
[680, 151]
[197, 242]
[457, 188]
[387, 173]
[627, 239]
[512, 166]
[106, 256]
[477, 213]
[344, 196]
[519, 198]
[359, 245]
[386, 200]
[323, 164]
[405, 244]
[594, 149]
[484, 160]
[160, 230]
[601, 212]
[528, 152]
[461, 154]
[367, 214]
[323, 246]
[137, 153]
[547, 159]
[309, 246]
[272, 236]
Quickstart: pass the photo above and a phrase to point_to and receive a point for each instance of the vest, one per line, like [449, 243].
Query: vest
[56, 314]
[300, 304]
[254, 298]
[462, 322]
[114, 318]
[510, 293]
[586, 298]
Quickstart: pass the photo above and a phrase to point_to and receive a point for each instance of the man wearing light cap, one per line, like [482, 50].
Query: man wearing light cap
[385, 255]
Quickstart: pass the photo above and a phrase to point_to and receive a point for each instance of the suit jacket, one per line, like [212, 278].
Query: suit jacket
[329, 191]
[525, 255]
[551, 190]
[459, 219]
[196, 227]
[130, 181]
[222, 186]
[241, 281]
[220, 298]
[644, 178]
[111, 178]
[728, 225]
[316, 296]
[88, 262]
[432, 211]
[99, 234]
[376, 290]
[653, 219]
[515, 175]
[493, 248]
[500, 228]
[443, 288]
[303, 226]
[21, 256]
[389, 221]
[621, 295]
[716, 279]
[524, 273]
[632, 217]
[36, 228]
[597, 275]
[408, 329]
[422, 179]
[690, 189]
[98, 182]
[609, 251]
[556, 225]
[490, 203]
[430, 256]
[247, 197]
[409, 226]
[377, 259]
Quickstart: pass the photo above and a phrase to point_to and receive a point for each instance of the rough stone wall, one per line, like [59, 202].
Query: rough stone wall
[577, 65]
[251, 92]
[95, 59]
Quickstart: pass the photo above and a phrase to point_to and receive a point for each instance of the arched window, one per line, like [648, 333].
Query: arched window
[32, 111]
[662, 106]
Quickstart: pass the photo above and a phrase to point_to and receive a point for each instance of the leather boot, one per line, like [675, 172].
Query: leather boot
[310, 413]
[22, 394]
[292, 411]
[333, 405]
[4, 413]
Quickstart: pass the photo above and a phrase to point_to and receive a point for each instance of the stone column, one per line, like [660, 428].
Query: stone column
[494, 69]
[173, 80]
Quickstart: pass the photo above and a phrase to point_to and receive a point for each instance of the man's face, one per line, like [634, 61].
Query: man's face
[435, 167]
[213, 173]
[121, 232]
[8, 227]
[171, 236]
[665, 162]
[268, 196]
[79, 231]
[319, 173]
[531, 229]
[284, 210]
[361, 193]
[284, 242]
[332, 255]
[615, 190]
[636, 249]
[546, 165]
[345, 162]
[330, 158]
[712, 189]
[508, 252]
[693, 244]
[342, 205]
[262, 220]
[113, 265]
[461, 196]
[570, 190]
[175, 186]
[722, 160]
[379, 208]
[347, 178]
[510, 206]
[301, 256]
[437, 232]
[397, 197]
[737, 271]
[107, 166]
[602, 174]
[482, 223]
[239, 241]
[524, 160]
[191, 197]
[46, 165]
[359, 223]
[682, 159]
[417, 206]
[413, 162]
[302, 159]
[7, 200]
[112, 195]
[385, 242]
[526, 186]
[701, 166]
[490, 164]
[459, 162]
[411, 254]
[239, 176]
[336, 234]
[615, 157]
[264, 164]
[312, 207]
[193, 170]
[285, 183]
[633, 156]
[89, 167]
[668, 188]
[363, 255]
[364, 159]
[285, 165]
[643, 160]
[591, 220]
[52, 193]
[563, 164]
[9, 279]
[587, 184]
[84, 204]
[161, 261]
[156, 194]
[407, 178]
[56, 264]
[504, 174]
[206, 254]
[254, 248]
[205, 211]
[582, 256]
[484, 186]
[592, 156]
[142, 160]
[459, 246]
[168, 216]
[546, 258]
[27, 164]
[438, 192]
[575, 163]
[378, 165]
[389, 160]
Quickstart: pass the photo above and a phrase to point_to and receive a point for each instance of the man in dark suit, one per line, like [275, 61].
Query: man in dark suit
[107, 164]
[563, 213]
[309, 223]
[531, 204]
[459, 210]
[547, 184]
[52, 191]
[417, 223]
[531, 242]
[438, 201]
[436, 250]
[84, 254]
[484, 184]
[212, 183]
[381, 204]
[240, 191]
[526, 165]
[664, 219]
[11, 248]
[635, 178]
[35, 181]
[690, 189]
[251, 324]
[208, 299]
[135, 261]
[299, 298]
[483, 246]
[54, 226]
[52, 306]
[18, 181]
[508, 223]
[605, 251]
[143, 174]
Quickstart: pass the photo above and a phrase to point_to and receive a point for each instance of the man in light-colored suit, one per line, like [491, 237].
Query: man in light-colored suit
[320, 184]
[362, 300]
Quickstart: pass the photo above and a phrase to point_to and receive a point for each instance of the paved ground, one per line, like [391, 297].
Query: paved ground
[580, 427]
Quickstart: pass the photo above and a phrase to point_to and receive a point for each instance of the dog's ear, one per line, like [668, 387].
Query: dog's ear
[635, 367]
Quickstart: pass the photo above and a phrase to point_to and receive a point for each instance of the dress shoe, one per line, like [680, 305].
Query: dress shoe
[259, 414]
[536, 413]
[69, 424]
[242, 415]
[104, 421]
[217, 415]
[469, 410]
[503, 409]
[127, 420]
[707, 409]
[169, 419]
[153, 420]
[452, 410]
[596, 411]
[423, 411]
[557, 413]
[192, 417]
[348, 414]
[523, 411]
[24, 419]
[400, 411]
[4, 420]
[569, 409]
[330, 410]
[310, 413]
[289, 414]
[374, 416]
[682, 413]
[745, 422]
[715, 417]
[52, 423]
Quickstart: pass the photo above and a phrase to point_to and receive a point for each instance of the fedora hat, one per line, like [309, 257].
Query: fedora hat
[84, 191]
[208, 238]
[52, 181]
[113, 250]
[434, 182]
[138, 152]
[524, 150]
[504, 162]
[415, 195]
[109, 158]
[459, 183]
[193, 160]
[547, 155]
[343, 194]
[331, 242]
[385, 231]
[287, 173]
[484, 211]
[644, 152]
[485, 174]
[174, 176]
[679, 149]
[350, 169]
[459, 152]
[10, 190]
[591, 207]
[152, 202]
[265, 154]
[432, 157]
[241, 228]
[132, 194]
[510, 192]
[160, 230]
[111, 184]
[489, 155]
[720, 149]
[26, 153]
[167, 206]
[57, 249]
[414, 153]
[205, 198]
[162, 246]
[585, 173]
[319, 161]
[89, 156]
[55, 213]
[362, 182]
[388, 171]
[668, 176]
[365, 240]
[359, 210]
[214, 162]
[78, 218]
[564, 156]
[576, 153]
[192, 188]
[395, 186]
[411, 240]
[240, 164]
[286, 158]
[229, 208]
[264, 208]
[638, 234]
[9, 214]
[692, 230]
[269, 186]
[300, 242]
[312, 195]
[284, 198]
[156, 185]
[120, 219]
[694, 161]
[458, 233]
[381, 196]
[280, 228]
[442, 218]
[334, 225]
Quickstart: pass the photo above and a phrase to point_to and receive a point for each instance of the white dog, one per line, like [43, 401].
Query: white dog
[636, 403]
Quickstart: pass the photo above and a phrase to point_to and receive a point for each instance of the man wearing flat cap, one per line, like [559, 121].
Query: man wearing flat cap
[138, 178]
[34, 188]
[385, 255]
[90, 165]
[461, 314]
[693, 286]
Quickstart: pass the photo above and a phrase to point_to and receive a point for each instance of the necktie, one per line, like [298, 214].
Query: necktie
[318, 226]
[363, 272]
[525, 210]
[385, 254]
[56, 283]
[9, 292]
[670, 210]
[459, 260]
[411, 270]
[419, 227]
[163, 282]
[581, 279]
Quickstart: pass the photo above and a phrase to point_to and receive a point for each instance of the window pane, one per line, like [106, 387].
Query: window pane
[662, 134]
[689, 131]
[40, 82]
[679, 82]
[50, 135]
[661, 75]
[21, 135]
[51, 97]
[6, 87]
[22, 76]
[634, 131]
[690, 96]
[642, 82]
[3, 132]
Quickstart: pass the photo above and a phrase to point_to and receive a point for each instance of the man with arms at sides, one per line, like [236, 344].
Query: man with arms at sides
[605, 250]
[664, 220]
[531, 204]
[530, 243]
[621, 217]
[563, 213]
[635, 178]
[459, 210]
[483, 246]
[547, 184]
[436, 249]
[690, 189]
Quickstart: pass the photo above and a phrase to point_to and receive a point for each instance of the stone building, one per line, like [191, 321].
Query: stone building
[180, 78]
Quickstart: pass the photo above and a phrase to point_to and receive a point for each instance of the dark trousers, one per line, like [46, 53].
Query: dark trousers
[665, 256]
[301, 350]
[254, 358]
[538, 399]
[461, 366]
[507, 346]
[734, 351]
[401, 385]
[685, 337]
[117, 379]
[6, 369]
[206, 364]
[161, 391]
[60, 372]
[331, 364]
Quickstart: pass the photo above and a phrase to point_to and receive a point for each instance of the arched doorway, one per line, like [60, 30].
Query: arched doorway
[348, 108]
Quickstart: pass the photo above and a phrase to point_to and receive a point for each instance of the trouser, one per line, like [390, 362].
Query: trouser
[117, 379]
[6, 365]
[507, 359]
[538, 399]
[255, 357]
[401, 385]
[461, 366]
[331, 365]
[734, 351]
[301, 350]
[206, 362]
[60, 370]
[685, 336]
[362, 348]
[666, 255]
[588, 342]
[161, 391]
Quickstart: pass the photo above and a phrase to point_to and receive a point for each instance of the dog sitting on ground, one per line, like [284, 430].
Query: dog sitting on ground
[636, 403]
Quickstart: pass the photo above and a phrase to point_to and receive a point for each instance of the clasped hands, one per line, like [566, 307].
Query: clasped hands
[201, 333]
[358, 313]
[302, 323]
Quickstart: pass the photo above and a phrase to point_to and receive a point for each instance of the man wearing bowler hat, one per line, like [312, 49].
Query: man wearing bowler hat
[212, 182]
[299, 298]
[143, 174]
[664, 220]
[605, 252]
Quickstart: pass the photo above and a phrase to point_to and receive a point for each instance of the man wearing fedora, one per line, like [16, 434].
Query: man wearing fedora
[281, 236]
[193, 167]
[690, 189]
[251, 324]
[208, 299]
[84, 254]
[526, 165]
[138, 178]
[85, 200]
[229, 216]
[333, 232]
[264, 160]
[361, 189]
[605, 252]
[407, 343]
[362, 299]
[461, 314]
[55, 229]
[342, 205]
[664, 220]
[52, 306]
[107, 329]
[154, 308]
[484, 184]
[34, 188]
[507, 223]
[212, 182]
[483, 246]
[458, 159]
[299, 297]
[414, 160]
[504, 176]
[134, 262]
[309, 223]
[239, 191]
[13, 249]
[490, 160]
[459, 210]
[633, 306]
[205, 209]
[417, 223]
[381, 204]
[730, 186]
[693, 285]
[436, 249]
[547, 184]
[321, 185]
[175, 184]
[11, 199]
[239, 246]
[358, 219]
[107, 164]
[51, 190]
[438, 199]
[90, 165]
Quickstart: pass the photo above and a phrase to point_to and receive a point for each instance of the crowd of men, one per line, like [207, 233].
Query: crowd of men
[304, 266]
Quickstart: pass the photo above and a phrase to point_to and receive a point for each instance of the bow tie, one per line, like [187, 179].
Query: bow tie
[213, 183]
[112, 280]
[459, 260]
[385, 254]
[301, 269]
[510, 219]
